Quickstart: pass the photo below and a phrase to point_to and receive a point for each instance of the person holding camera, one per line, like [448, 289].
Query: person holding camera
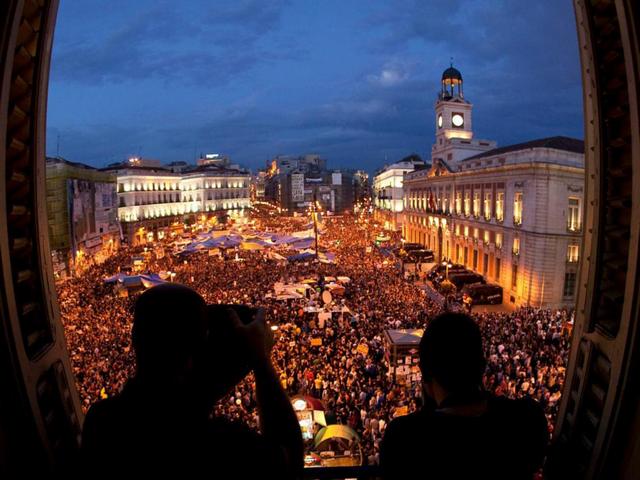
[462, 431]
[188, 356]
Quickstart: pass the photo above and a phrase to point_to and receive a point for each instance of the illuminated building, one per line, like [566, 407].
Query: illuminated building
[388, 196]
[154, 200]
[513, 214]
[293, 183]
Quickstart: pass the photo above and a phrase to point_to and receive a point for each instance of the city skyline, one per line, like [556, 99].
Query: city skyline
[354, 83]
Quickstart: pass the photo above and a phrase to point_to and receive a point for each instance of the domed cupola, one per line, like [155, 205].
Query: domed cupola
[451, 84]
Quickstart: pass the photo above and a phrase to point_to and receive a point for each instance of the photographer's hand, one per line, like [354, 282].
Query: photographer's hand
[278, 421]
[256, 336]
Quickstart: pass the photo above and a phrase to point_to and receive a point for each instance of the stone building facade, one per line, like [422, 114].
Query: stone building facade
[513, 214]
[154, 201]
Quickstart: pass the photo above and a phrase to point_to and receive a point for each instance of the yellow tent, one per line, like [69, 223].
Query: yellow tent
[335, 431]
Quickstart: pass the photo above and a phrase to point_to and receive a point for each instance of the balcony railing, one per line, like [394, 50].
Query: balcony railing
[574, 228]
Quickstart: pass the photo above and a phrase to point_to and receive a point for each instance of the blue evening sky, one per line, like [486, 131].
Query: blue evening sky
[354, 81]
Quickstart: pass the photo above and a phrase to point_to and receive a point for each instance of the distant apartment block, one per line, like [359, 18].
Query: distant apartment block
[82, 214]
[294, 183]
[154, 200]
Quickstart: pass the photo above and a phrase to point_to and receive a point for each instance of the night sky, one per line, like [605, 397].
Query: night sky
[354, 81]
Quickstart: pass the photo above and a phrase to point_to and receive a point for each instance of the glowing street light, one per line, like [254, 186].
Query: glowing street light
[447, 266]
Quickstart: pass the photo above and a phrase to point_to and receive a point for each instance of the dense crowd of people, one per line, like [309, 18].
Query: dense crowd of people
[526, 350]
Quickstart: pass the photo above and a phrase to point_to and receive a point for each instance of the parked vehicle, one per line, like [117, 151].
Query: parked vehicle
[422, 256]
[482, 294]
[406, 249]
[465, 278]
[440, 270]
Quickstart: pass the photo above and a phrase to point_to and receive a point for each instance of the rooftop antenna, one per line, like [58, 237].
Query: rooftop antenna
[451, 62]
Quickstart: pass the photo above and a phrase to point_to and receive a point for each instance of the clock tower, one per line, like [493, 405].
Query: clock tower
[453, 113]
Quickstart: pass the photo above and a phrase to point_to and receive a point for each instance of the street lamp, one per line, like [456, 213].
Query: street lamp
[447, 265]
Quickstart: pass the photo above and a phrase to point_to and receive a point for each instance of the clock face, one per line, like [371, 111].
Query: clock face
[457, 120]
[439, 121]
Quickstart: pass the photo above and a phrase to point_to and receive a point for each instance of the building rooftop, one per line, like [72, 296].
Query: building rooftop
[126, 166]
[557, 143]
[60, 160]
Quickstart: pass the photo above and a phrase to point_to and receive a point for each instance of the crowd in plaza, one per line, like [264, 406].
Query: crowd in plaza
[526, 350]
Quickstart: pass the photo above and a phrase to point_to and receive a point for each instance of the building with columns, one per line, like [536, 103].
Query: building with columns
[513, 214]
[154, 200]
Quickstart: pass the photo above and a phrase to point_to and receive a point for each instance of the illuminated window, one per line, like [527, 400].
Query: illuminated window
[459, 203]
[572, 253]
[467, 203]
[487, 205]
[476, 233]
[573, 215]
[457, 229]
[476, 204]
[498, 239]
[517, 208]
[516, 246]
[486, 237]
[466, 231]
[500, 206]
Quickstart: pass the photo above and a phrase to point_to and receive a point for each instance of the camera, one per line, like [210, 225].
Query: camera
[227, 354]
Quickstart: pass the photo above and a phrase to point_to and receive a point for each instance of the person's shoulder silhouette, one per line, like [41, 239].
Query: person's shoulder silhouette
[161, 421]
[462, 432]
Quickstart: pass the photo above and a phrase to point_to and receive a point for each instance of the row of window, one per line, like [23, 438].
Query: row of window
[462, 256]
[159, 198]
[490, 237]
[158, 186]
[132, 216]
[480, 206]
[488, 209]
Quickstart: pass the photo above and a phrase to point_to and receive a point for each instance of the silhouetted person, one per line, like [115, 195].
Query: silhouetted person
[462, 432]
[188, 356]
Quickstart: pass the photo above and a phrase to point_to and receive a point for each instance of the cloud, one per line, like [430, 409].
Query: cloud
[523, 84]
[196, 45]
[392, 74]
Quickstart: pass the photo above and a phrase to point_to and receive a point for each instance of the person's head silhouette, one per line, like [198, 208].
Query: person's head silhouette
[451, 356]
[169, 334]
